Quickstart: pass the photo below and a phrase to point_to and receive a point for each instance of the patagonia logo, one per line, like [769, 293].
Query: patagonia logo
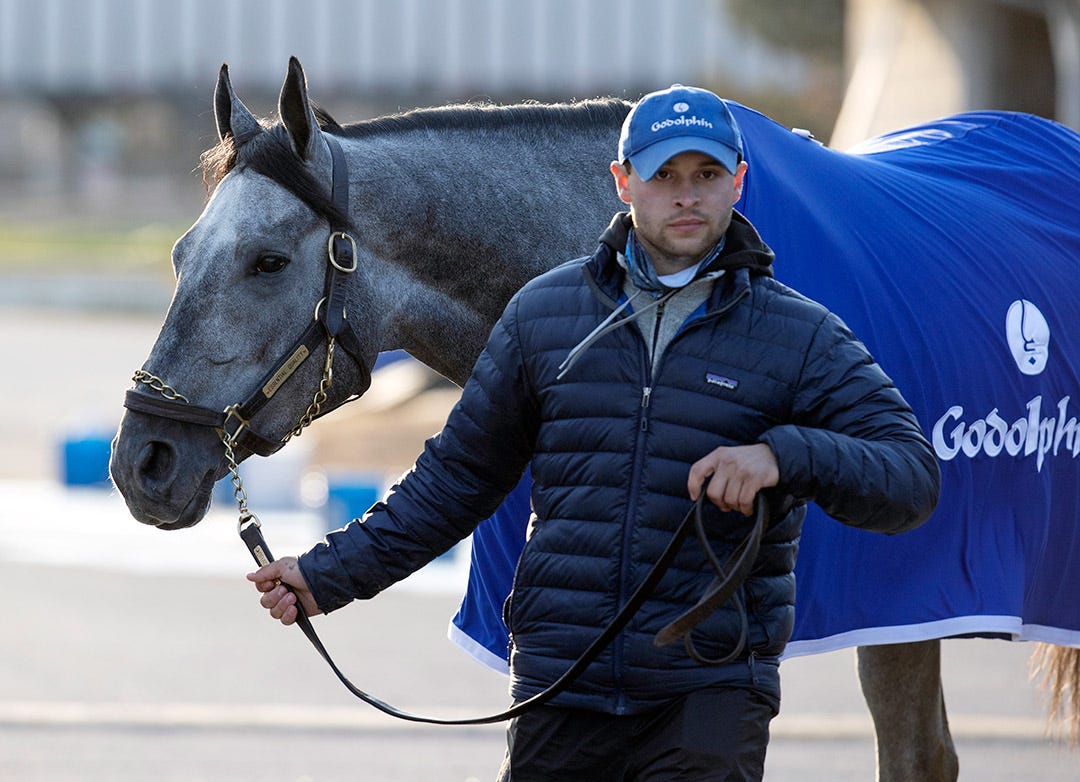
[719, 380]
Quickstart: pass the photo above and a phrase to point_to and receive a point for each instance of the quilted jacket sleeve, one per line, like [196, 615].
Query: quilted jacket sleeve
[855, 447]
[459, 480]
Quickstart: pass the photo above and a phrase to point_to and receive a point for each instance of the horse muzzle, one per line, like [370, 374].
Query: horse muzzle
[165, 470]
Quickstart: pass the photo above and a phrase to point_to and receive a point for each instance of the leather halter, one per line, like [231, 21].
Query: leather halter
[329, 325]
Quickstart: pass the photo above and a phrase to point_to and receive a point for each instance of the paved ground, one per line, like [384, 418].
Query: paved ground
[111, 675]
[131, 654]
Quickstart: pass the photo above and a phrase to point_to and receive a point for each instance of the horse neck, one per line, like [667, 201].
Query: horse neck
[456, 222]
[439, 329]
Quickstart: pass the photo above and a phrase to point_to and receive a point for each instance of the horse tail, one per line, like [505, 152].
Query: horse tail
[1058, 667]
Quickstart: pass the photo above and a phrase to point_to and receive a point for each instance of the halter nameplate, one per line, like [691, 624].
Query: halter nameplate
[286, 370]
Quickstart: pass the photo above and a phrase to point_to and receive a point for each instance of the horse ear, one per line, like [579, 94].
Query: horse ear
[296, 112]
[232, 116]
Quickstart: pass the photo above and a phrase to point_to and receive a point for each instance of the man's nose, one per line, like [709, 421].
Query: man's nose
[687, 195]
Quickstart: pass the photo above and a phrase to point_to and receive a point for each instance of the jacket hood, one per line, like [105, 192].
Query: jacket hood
[744, 248]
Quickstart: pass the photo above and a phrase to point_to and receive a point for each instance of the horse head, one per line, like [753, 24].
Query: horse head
[449, 211]
[266, 279]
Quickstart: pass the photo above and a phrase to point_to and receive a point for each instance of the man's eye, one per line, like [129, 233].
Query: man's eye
[270, 264]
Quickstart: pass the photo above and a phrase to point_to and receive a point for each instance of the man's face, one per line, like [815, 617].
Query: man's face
[683, 210]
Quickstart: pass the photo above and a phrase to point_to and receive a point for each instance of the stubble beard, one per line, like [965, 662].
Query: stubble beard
[665, 254]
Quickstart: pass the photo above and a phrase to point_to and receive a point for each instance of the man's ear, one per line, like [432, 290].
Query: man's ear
[740, 175]
[618, 170]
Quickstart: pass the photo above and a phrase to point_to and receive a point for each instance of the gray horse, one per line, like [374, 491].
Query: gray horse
[452, 210]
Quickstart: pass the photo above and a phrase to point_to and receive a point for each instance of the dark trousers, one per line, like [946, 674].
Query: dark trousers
[715, 734]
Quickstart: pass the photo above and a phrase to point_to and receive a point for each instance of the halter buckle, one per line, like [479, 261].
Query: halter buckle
[342, 257]
[233, 411]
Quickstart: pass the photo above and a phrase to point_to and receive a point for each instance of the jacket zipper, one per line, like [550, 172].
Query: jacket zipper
[656, 338]
[625, 586]
[619, 645]
[646, 394]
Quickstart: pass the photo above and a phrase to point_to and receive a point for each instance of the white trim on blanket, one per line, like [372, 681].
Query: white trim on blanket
[477, 651]
[1010, 626]
[1051, 635]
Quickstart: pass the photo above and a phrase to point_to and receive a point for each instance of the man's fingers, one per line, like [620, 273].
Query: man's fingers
[270, 571]
[284, 606]
[732, 493]
[699, 473]
[740, 496]
[274, 596]
[745, 507]
[266, 586]
[738, 474]
[266, 577]
[717, 492]
[284, 590]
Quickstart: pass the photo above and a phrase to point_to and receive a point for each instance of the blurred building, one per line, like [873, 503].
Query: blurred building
[909, 61]
[554, 48]
[99, 96]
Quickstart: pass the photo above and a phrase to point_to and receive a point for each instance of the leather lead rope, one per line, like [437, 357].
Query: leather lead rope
[728, 580]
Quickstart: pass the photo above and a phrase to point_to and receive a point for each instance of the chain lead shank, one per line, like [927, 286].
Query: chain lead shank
[232, 412]
[320, 397]
[159, 385]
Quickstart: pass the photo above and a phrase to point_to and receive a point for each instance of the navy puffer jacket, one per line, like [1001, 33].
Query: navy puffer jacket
[611, 445]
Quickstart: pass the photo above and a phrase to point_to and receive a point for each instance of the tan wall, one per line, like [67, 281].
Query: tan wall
[911, 61]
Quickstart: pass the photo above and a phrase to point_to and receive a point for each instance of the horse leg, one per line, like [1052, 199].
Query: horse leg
[902, 687]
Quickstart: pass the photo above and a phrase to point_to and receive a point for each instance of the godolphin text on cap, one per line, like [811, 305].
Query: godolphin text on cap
[679, 119]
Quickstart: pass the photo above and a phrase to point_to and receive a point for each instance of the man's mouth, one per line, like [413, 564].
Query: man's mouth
[686, 224]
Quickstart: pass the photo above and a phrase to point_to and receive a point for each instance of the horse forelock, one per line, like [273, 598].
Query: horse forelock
[270, 153]
[216, 162]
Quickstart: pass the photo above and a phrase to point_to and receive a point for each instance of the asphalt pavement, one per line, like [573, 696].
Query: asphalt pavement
[133, 654]
[110, 674]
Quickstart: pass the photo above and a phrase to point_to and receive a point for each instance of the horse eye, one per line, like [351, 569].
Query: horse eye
[270, 264]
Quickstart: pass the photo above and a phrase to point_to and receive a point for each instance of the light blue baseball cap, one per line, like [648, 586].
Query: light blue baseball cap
[679, 119]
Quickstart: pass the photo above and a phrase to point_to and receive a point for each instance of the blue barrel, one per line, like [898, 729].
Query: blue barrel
[85, 460]
[349, 496]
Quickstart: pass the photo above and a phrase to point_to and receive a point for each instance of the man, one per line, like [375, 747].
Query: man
[627, 379]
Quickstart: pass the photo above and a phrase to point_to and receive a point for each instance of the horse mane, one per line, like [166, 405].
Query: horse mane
[269, 153]
[489, 116]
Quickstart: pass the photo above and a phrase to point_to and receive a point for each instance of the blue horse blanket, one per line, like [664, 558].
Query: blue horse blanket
[952, 250]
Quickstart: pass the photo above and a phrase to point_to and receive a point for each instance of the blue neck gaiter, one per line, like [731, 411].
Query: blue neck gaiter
[642, 272]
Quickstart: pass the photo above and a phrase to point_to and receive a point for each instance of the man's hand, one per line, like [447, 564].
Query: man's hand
[738, 474]
[271, 581]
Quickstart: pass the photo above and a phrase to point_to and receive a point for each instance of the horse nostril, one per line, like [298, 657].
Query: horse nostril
[156, 463]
